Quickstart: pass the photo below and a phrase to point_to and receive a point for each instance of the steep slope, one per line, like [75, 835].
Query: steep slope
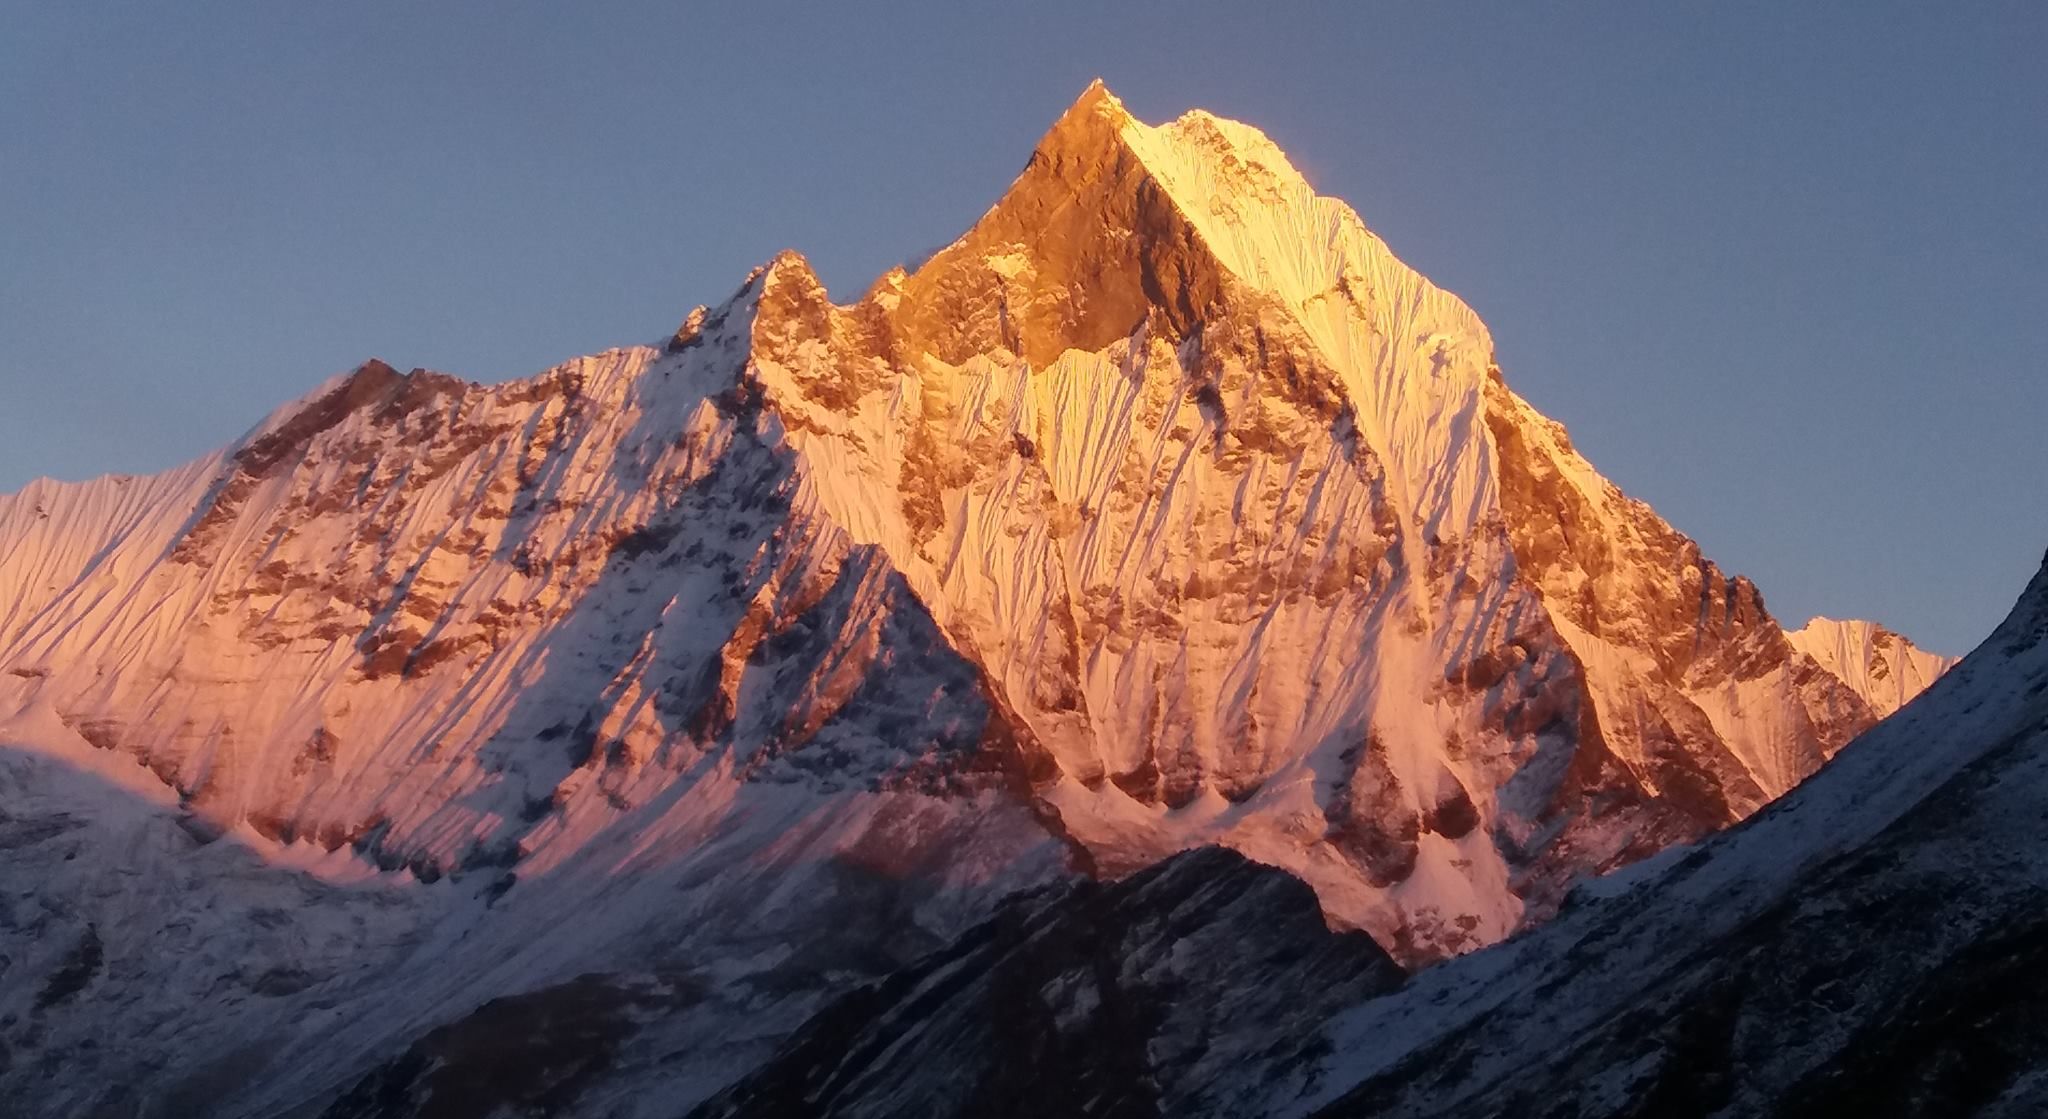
[1869, 945]
[1886, 669]
[1165, 508]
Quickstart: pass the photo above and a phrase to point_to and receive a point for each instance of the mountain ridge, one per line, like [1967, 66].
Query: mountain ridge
[1884, 666]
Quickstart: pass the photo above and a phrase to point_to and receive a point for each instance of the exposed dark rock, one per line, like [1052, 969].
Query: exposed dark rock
[75, 971]
[527, 1054]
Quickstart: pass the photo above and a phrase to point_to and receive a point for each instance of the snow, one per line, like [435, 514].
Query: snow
[1883, 667]
[1413, 356]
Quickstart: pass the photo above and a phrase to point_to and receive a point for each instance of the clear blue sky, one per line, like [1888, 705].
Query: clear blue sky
[1783, 273]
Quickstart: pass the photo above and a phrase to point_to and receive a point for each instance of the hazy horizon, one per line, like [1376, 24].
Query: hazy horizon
[1778, 273]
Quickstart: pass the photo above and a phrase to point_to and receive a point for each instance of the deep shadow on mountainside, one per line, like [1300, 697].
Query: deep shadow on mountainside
[1118, 999]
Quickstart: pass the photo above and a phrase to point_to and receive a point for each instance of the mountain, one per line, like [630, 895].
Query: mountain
[646, 707]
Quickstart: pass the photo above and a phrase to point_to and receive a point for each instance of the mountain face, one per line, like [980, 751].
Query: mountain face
[1237, 513]
[672, 694]
[1870, 944]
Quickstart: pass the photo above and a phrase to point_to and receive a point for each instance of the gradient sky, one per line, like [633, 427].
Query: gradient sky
[1784, 274]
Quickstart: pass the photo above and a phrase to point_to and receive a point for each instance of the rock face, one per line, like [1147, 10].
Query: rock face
[1164, 509]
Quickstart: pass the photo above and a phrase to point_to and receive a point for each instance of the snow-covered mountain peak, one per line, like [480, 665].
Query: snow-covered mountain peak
[1884, 667]
[1264, 219]
[1197, 137]
[352, 385]
[1243, 522]
[1094, 101]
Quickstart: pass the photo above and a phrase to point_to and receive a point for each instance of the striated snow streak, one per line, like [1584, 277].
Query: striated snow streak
[1496, 1016]
[1413, 356]
[82, 542]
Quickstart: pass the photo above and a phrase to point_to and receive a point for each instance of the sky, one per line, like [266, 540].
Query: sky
[1782, 270]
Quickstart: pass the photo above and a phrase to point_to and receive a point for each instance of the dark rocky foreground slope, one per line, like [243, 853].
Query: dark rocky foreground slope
[1172, 992]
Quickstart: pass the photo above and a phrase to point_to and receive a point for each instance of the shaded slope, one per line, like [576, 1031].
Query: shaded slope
[1132, 999]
